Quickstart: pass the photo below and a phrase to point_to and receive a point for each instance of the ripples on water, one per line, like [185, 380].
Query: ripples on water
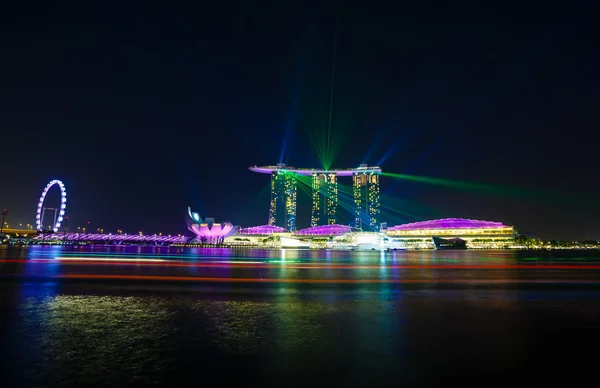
[105, 334]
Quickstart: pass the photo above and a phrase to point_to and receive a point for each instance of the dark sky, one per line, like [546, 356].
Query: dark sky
[142, 110]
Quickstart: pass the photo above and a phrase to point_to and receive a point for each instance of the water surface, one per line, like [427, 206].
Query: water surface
[507, 318]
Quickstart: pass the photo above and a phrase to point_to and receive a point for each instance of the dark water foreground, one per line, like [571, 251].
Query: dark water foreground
[505, 319]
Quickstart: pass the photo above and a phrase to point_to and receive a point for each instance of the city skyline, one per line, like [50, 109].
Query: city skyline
[307, 193]
[145, 112]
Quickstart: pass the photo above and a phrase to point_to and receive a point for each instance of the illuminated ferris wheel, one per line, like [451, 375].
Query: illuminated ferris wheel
[59, 212]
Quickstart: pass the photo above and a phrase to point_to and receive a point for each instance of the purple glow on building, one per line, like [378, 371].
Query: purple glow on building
[263, 229]
[324, 230]
[213, 231]
[111, 238]
[208, 230]
[449, 223]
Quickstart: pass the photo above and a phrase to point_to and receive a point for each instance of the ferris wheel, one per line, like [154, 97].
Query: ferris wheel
[59, 212]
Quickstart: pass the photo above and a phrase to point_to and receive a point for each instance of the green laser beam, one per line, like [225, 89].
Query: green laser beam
[253, 202]
[328, 144]
[479, 187]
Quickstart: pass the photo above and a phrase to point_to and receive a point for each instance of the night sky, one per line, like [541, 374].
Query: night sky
[143, 110]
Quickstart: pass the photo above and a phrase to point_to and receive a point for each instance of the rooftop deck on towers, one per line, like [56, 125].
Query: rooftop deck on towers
[311, 171]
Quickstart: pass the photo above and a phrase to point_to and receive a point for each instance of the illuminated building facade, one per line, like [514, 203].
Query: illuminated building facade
[262, 230]
[209, 231]
[282, 211]
[449, 233]
[475, 233]
[365, 188]
[324, 230]
[324, 199]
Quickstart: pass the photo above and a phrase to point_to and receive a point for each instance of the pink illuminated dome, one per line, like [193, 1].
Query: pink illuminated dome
[324, 230]
[262, 229]
[449, 223]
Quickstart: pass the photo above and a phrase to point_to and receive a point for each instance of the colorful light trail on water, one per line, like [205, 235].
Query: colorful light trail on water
[314, 281]
[144, 265]
[308, 266]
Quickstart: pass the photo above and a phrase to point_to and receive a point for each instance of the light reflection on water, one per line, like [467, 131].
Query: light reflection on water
[69, 339]
[141, 335]
[284, 255]
[73, 335]
[301, 255]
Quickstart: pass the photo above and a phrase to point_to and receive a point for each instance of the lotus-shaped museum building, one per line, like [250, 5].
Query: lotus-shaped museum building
[209, 231]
